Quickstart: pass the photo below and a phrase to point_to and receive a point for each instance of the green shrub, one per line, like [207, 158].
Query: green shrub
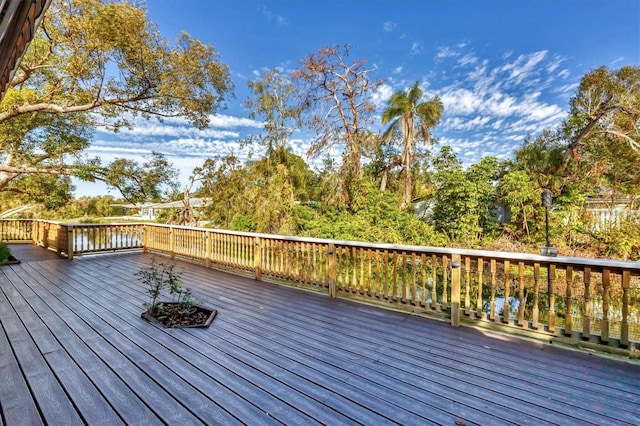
[5, 253]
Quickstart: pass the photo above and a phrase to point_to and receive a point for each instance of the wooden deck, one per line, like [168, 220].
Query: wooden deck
[73, 350]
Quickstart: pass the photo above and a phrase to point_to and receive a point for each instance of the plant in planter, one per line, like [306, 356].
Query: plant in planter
[181, 311]
[5, 255]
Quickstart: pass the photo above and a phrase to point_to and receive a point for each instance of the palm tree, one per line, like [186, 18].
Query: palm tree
[415, 119]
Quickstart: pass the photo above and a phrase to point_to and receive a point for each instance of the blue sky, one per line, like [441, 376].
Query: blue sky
[503, 68]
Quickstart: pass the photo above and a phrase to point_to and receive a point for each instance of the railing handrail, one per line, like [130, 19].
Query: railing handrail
[502, 255]
[633, 266]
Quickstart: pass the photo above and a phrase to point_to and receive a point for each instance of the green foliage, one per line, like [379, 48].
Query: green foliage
[158, 277]
[622, 241]
[5, 253]
[272, 101]
[150, 181]
[336, 103]
[415, 119]
[377, 218]
[94, 62]
[53, 192]
[519, 195]
[464, 201]
[605, 109]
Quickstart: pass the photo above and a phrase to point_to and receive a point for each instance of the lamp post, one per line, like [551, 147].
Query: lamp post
[547, 201]
[547, 249]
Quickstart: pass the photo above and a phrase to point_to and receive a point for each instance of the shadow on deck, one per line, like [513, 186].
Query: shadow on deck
[32, 253]
[74, 350]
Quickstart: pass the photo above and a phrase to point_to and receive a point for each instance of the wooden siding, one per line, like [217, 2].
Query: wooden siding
[74, 350]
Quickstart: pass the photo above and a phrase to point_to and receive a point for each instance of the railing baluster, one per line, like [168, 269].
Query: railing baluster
[624, 323]
[521, 302]
[370, 290]
[507, 289]
[394, 277]
[445, 270]
[480, 268]
[552, 297]
[492, 305]
[536, 296]
[414, 281]
[467, 285]
[568, 303]
[604, 323]
[586, 305]
[403, 293]
[354, 270]
[434, 279]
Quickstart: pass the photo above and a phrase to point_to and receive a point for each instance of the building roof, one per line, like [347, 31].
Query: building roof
[19, 20]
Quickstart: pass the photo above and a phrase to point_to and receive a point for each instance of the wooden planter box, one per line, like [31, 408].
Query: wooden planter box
[12, 261]
[210, 316]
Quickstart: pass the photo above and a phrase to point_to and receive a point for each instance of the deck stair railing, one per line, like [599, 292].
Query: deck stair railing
[593, 300]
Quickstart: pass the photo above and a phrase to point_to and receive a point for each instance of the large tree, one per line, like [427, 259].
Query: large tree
[99, 63]
[272, 101]
[336, 103]
[415, 119]
[606, 107]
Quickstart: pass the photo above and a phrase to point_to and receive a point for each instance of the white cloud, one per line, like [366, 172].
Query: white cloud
[557, 61]
[460, 101]
[467, 59]
[381, 95]
[416, 48]
[272, 17]
[389, 26]
[446, 52]
[524, 66]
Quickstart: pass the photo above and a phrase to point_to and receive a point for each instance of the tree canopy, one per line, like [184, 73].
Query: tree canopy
[99, 63]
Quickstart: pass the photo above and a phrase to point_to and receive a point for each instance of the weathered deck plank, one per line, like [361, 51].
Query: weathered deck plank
[274, 355]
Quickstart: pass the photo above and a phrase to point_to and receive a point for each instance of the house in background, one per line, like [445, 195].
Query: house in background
[609, 212]
[150, 211]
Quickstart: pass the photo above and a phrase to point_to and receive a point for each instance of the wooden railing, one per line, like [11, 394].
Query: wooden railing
[592, 300]
[16, 230]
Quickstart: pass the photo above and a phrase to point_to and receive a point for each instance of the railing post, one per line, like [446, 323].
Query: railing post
[208, 249]
[455, 290]
[507, 290]
[331, 269]
[172, 243]
[145, 238]
[624, 325]
[604, 322]
[257, 259]
[70, 242]
[586, 305]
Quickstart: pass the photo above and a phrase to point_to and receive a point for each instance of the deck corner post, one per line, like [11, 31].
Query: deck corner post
[455, 290]
[69, 242]
[331, 269]
[257, 259]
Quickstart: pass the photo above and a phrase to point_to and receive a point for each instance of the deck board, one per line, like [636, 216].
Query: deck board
[72, 344]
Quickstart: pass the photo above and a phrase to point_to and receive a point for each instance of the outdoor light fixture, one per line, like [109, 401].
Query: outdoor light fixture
[547, 200]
